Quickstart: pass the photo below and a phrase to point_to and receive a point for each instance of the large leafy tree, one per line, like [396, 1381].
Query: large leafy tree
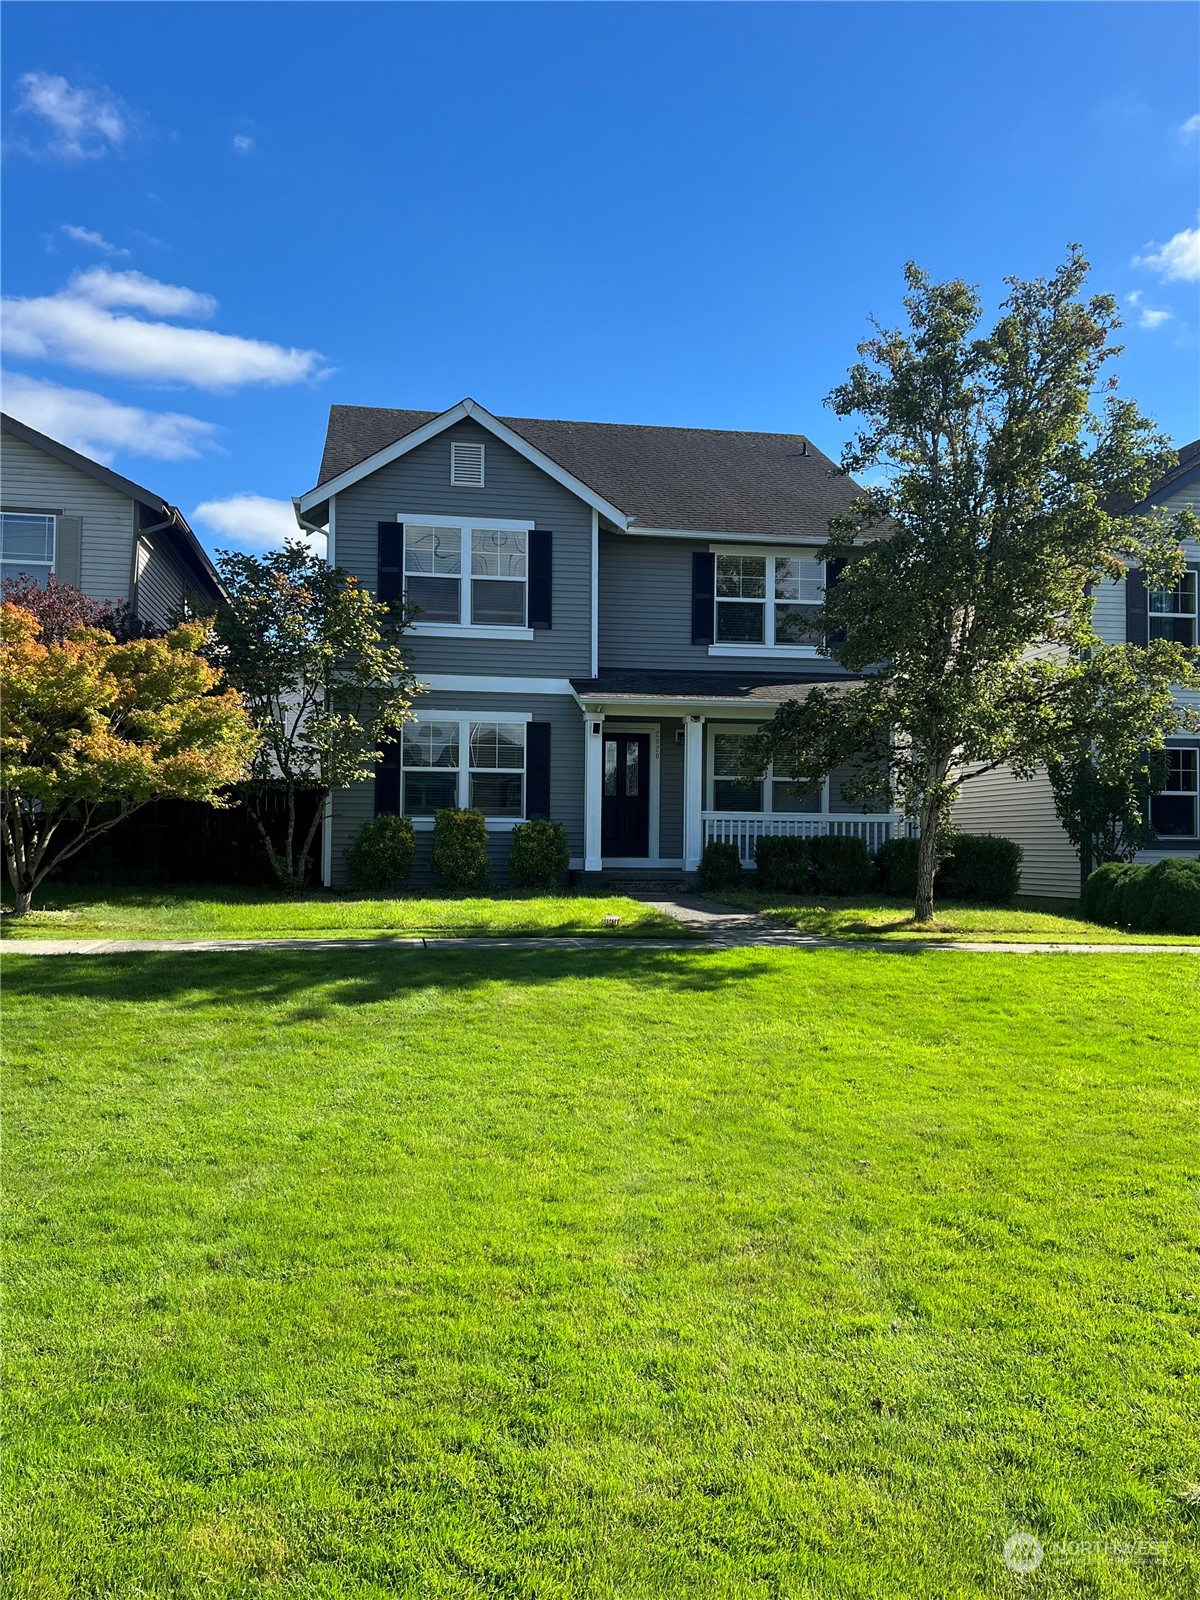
[91, 729]
[318, 661]
[999, 465]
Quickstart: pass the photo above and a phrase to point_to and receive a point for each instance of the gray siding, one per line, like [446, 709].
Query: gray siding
[646, 610]
[161, 584]
[33, 481]
[356, 805]
[1023, 811]
[514, 488]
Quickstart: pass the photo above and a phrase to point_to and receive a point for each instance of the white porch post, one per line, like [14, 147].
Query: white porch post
[693, 792]
[593, 789]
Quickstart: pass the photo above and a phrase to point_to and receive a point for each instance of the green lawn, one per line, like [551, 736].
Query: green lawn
[868, 917]
[616, 1273]
[210, 912]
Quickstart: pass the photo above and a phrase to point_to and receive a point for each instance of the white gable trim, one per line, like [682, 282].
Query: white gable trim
[430, 430]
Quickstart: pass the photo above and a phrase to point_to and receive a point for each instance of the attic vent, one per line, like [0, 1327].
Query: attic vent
[466, 465]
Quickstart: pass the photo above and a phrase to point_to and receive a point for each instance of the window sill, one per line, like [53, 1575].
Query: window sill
[459, 630]
[494, 824]
[794, 652]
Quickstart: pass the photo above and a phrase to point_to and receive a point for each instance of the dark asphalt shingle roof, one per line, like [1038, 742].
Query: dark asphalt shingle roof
[754, 687]
[1189, 462]
[708, 479]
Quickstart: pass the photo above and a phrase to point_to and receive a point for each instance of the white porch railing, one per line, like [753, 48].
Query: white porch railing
[724, 828]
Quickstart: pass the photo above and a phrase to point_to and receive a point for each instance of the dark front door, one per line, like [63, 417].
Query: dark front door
[625, 814]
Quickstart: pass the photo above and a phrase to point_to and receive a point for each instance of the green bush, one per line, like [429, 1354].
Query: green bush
[382, 852]
[1163, 898]
[459, 856]
[841, 864]
[784, 865]
[540, 854]
[720, 867]
[896, 867]
[982, 869]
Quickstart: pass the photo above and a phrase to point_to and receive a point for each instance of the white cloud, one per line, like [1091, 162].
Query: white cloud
[1151, 319]
[1191, 126]
[84, 123]
[135, 291]
[253, 521]
[100, 427]
[90, 237]
[77, 327]
[1179, 258]
[243, 143]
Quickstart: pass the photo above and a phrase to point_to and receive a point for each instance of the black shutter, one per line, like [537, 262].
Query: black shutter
[833, 571]
[541, 578]
[704, 586]
[1137, 630]
[390, 584]
[537, 769]
[387, 773]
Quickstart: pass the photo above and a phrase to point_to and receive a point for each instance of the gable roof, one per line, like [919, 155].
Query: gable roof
[178, 532]
[708, 480]
[1175, 477]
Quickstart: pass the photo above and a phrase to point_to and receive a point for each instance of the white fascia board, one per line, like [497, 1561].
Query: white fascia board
[430, 430]
[639, 705]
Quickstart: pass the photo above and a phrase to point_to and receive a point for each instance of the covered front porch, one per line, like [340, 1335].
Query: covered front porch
[662, 777]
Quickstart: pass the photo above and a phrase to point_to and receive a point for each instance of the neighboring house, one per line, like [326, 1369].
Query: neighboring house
[62, 513]
[605, 612]
[1126, 611]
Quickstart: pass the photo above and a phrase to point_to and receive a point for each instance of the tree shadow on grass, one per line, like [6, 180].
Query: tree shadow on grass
[320, 982]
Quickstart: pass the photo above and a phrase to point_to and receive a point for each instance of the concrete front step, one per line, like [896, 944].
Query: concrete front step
[629, 880]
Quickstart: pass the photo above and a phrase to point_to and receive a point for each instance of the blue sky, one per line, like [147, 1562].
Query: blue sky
[646, 213]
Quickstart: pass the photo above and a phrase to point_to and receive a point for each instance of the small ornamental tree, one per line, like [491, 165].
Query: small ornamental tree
[1105, 812]
[998, 475]
[88, 725]
[61, 608]
[318, 662]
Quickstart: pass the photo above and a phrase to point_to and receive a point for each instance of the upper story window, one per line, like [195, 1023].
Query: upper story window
[1173, 811]
[466, 465]
[468, 576]
[436, 777]
[1173, 611]
[26, 544]
[768, 600]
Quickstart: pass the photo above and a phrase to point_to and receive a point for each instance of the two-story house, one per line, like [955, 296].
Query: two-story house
[1126, 612]
[62, 513]
[605, 611]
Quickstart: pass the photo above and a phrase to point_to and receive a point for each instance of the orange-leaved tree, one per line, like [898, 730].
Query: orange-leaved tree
[91, 729]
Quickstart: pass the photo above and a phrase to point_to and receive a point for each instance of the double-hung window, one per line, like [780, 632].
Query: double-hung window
[768, 600]
[1173, 611]
[773, 793]
[463, 761]
[1173, 811]
[27, 544]
[467, 575]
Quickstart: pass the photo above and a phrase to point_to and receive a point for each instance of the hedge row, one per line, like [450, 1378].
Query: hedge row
[1162, 898]
[982, 869]
[385, 848]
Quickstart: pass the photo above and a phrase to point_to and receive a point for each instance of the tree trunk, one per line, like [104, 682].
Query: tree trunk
[23, 901]
[927, 862]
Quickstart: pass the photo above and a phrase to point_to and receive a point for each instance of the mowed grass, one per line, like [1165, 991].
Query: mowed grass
[211, 912]
[609, 1273]
[1027, 920]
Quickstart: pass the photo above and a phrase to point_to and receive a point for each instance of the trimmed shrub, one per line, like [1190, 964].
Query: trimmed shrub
[841, 864]
[1103, 897]
[784, 865]
[896, 867]
[981, 868]
[1164, 898]
[540, 854]
[382, 852]
[720, 867]
[459, 856]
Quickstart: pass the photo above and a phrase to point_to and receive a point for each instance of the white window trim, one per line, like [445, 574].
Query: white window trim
[794, 652]
[468, 444]
[1192, 616]
[1194, 794]
[464, 628]
[742, 729]
[20, 511]
[463, 794]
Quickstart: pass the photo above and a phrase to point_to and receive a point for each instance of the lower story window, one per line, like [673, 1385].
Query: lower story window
[436, 777]
[775, 792]
[26, 545]
[1173, 810]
